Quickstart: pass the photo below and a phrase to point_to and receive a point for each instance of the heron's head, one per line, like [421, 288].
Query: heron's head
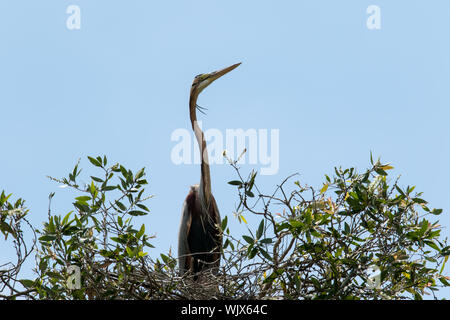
[203, 80]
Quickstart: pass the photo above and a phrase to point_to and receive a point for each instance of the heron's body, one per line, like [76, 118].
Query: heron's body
[200, 238]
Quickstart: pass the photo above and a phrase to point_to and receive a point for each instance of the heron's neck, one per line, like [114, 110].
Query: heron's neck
[205, 179]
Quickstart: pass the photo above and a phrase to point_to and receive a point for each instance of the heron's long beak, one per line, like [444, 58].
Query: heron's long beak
[207, 79]
[217, 74]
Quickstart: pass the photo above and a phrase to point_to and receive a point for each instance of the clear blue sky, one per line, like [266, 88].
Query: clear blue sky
[120, 85]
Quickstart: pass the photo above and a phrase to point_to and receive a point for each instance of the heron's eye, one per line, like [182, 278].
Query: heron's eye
[199, 78]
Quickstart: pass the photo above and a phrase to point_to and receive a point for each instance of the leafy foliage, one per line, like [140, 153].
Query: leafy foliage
[318, 245]
[13, 219]
[307, 244]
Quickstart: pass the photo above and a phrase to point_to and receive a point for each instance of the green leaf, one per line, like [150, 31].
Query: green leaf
[260, 230]
[93, 190]
[143, 207]
[432, 245]
[436, 211]
[141, 231]
[265, 254]
[252, 180]
[400, 191]
[324, 188]
[27, 283]
[419, 201]
[316, 283]
[424, 227]
[66, 218]
[235, 183]
[274, 275]
[142, 254]
[410, 189]
[253, 253]
[47, 237]
[130, 252]
[124, 172]
[119, 240]
[139, 174]
[43, 265]
[249, 240]
[6, 227]
[226, 244]
[95, 162]
[83, 198]
[444, 281]
[54, 275]
[69, 230]
[137, 213]
[164, 258]
[109, 188]
[346, 228]
[121, 205]
[224, 223]
[381, 172]
[81, 206]
[266, 241]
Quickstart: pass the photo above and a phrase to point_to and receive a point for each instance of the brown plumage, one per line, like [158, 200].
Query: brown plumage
[199, 238]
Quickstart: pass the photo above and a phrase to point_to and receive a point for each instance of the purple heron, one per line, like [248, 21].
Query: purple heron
[199, 237]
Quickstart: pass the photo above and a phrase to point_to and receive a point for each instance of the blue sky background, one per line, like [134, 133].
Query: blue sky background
[120, 86]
